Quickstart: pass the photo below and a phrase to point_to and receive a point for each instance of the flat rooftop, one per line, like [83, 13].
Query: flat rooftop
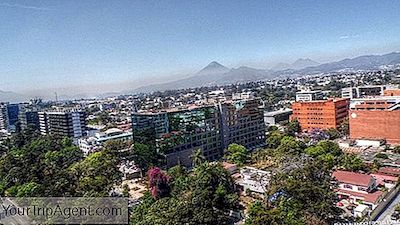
[277, 112]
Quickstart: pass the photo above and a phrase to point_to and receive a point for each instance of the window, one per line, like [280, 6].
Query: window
[348, 186]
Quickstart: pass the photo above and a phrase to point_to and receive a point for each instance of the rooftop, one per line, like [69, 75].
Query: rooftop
[368, 197]
[352, 178]
[324, 100]
[389, 170]
[274, 113]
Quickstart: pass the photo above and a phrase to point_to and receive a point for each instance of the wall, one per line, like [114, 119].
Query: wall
[376, 125]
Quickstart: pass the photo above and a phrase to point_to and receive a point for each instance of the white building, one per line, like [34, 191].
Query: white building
[254, 179]
[92, 144]
[307, 96]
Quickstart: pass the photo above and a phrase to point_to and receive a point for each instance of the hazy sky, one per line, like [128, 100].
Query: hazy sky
[57, 43]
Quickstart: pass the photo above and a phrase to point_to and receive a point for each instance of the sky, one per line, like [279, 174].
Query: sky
[56, 44]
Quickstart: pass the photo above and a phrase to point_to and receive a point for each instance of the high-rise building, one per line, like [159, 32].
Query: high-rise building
[242, 122]
[9, 117]
[29, 119]
[177, 133]
[376, 119]
[3, 116]
[12, 115]
[322, 114]
[69, 123]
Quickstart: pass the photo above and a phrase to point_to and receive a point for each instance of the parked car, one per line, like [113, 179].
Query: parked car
[395, 215]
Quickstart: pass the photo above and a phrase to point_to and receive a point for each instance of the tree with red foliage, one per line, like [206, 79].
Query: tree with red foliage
[159, 183]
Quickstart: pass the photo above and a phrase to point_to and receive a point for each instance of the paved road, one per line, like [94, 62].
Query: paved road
[385, 216]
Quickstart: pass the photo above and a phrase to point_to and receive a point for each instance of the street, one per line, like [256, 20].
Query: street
[385, 215]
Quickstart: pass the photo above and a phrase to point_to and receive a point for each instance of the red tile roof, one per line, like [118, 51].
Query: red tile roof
[368, 197]
[390, 170]
[352, 178]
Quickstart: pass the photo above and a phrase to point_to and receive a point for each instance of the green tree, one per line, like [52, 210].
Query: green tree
[352, 162]
[304, 192]
[293, 127]
[274, 139]
[145, 156]
[37, 166]
[95, 175]
[236, 154]
[205, 198]
[289, 145]
[333, 133]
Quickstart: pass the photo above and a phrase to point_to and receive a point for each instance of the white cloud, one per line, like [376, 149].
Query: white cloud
[352, 36]
[24, 7]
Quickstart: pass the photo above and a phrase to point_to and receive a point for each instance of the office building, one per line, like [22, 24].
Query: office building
[322, 114]
[65, 124]
[242, 122]
[178, 132]
[12, 115]
[9, 117]
[29, 120]
[3, 117]
[376, 119]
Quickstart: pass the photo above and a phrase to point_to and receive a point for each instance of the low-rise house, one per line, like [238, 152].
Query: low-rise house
[361, 211]
[387, 176]
[130, 170]
[391, 171]
[253, 179]
[357, 188]
[384, 180]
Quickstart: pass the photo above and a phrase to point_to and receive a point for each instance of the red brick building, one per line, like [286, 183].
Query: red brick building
[376, 119]
[391, 92]
[321, 114]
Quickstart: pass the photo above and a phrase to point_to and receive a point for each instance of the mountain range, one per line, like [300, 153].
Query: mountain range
[298, 64]
[217, 74]
[9, 96]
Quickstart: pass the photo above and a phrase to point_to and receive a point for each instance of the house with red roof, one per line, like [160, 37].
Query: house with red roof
[357, 188]
[387, 176]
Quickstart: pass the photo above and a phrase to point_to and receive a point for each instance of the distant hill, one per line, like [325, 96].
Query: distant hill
[213, 74]
[298, 64]
[9, 96]
[365, 62]
[217, 74]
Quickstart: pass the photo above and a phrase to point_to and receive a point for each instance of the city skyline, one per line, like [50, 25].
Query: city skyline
[51, 45]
